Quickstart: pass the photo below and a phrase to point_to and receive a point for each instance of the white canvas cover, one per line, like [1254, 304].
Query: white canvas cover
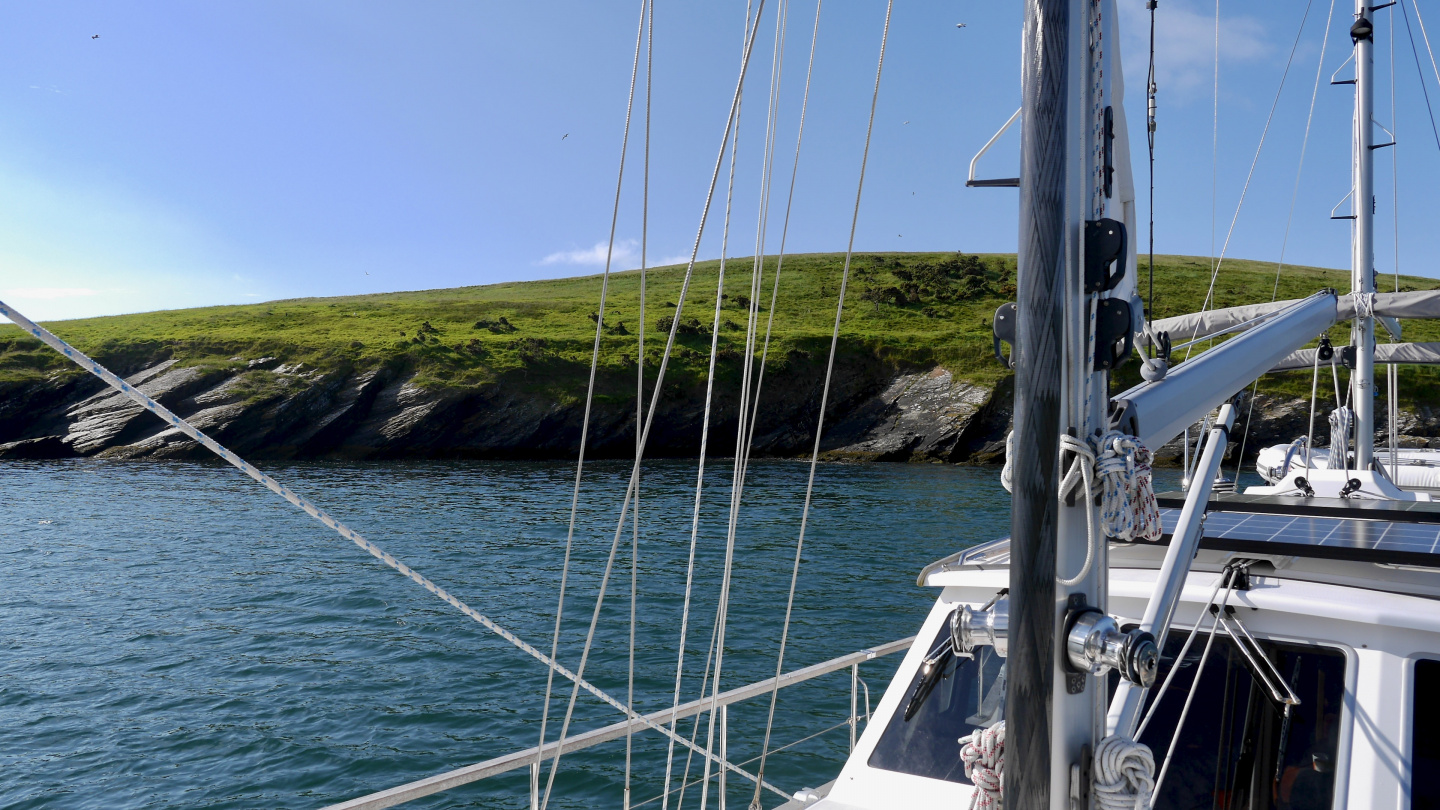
[1424, 304]
[1420, 354]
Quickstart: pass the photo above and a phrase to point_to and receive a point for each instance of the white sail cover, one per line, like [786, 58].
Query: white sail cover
[1424, 304]
[1420, 354]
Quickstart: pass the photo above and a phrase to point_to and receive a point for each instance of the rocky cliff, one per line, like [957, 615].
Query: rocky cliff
[262, 409]
[268, 410]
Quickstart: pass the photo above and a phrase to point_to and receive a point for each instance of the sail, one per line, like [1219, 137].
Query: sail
[1420, 354]
[1423, 304]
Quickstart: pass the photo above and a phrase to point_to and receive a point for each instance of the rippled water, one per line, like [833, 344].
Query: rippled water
[174, 635]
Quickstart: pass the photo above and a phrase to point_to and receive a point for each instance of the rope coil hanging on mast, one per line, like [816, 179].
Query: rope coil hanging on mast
[1127, 495]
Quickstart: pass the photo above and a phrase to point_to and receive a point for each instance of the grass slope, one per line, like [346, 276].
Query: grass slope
[909, 309]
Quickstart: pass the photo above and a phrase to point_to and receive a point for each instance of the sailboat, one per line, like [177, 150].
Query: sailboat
[1295, 623]
[1276, 648]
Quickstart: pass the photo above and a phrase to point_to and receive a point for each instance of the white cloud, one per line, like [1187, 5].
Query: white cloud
[624, 253]
[1185, 45]
[48, 293]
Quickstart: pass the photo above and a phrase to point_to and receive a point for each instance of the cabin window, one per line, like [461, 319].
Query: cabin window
[1238, 748]
[1425, 762]
[968, 693]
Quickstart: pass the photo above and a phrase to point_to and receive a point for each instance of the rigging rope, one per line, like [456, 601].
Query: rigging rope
[1392, 391]
[1150, 91]
[1405, 15]
[589, 398]
[1215, 273]
[1289, 218]
[1078, 475]
[1421, 20]
[639, 394]
[834, 335]
[1310, 431]
[734, 126]
[80, 359]
[734, 484]
[982, 752]
[760, 379]
[1214, 152]
[655, 397]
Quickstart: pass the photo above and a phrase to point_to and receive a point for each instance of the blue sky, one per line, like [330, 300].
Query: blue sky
[216, 153]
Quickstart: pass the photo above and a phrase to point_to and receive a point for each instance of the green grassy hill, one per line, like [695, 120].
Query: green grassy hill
[907, 309]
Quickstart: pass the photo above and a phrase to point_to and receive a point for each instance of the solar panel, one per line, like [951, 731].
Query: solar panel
[1394, 541]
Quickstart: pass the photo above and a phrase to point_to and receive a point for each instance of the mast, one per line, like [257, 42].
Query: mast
[1362, 252]
[1039, 269]
[1049, 722]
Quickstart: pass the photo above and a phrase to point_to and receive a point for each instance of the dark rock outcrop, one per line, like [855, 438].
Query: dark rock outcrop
[260, 409]
[265, 409]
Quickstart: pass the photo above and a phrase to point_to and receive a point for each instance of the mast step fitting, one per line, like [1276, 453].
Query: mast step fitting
[1095, 644]
[1003, 327]
[1104, 248]
[1114, 333]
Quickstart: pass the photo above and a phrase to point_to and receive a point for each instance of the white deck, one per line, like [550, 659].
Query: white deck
[1381, 619]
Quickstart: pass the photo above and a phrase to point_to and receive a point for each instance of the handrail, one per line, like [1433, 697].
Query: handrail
[519, 759]
[1004, 182]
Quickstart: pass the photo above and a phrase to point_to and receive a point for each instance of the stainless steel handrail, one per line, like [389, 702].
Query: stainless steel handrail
[520, 759]
[1003, 182]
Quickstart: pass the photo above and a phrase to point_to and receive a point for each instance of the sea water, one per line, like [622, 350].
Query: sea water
[174, 635]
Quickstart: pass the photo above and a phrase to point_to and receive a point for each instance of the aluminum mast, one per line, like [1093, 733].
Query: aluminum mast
[1362, 252]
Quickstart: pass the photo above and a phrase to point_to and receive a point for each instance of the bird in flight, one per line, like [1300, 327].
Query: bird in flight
[563, 137]
[907, 122]
[959, 25]
[96, 36]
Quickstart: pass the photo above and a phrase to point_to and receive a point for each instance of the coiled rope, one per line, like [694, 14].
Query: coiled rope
[80, 359]
[1124, 774]
[1342, 421]
[983, 753]
[1128, 508]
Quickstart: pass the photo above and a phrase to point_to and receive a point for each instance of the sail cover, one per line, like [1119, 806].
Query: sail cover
[1424, 304]
[1421, 354]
